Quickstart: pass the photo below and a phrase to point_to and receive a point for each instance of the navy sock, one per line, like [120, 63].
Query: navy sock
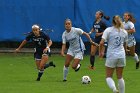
[92, 59]
[46, 66]
[40, 73]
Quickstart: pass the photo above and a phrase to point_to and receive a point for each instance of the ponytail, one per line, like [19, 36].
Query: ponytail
[117, 22]
[102, 15]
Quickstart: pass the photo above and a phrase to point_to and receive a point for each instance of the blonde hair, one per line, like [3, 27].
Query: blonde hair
[117, 22]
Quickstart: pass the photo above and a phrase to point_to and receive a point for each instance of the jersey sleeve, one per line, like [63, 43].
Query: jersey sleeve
[63, 38]
[47, 37]
[28, 38]
[105, 34]
[131, 25]
[79, 31]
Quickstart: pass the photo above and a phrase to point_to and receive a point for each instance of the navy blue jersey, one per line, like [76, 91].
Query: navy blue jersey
[99, 27]
[40, 42]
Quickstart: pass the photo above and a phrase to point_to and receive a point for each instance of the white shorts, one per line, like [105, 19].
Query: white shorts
[76, 55]
[120, 62]
[132, 43]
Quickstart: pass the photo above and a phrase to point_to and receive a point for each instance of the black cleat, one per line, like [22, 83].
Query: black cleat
[77, 68]
[64, 80]
[38, 79]
[137, 65]
[52, 64]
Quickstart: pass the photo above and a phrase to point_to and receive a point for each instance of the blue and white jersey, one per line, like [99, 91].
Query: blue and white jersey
[73, 37]
[115, 39]
[127, 26]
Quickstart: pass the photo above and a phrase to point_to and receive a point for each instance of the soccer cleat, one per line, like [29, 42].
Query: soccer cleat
[91, 67]
[64, 80]
[38, 79]
[137, 65]
[52, 64]
[115, 91]
[78, 68]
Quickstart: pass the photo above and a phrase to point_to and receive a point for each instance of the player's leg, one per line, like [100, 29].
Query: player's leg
[92, 55]
[110, 66]
[135, 56]
[76, 63]
[66, 66]
[44, 59]
[121, 83]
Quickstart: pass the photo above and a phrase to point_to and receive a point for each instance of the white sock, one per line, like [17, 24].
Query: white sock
[121, 85]
[111, 83]
[78, 66]
[136, 58]
[65, 72]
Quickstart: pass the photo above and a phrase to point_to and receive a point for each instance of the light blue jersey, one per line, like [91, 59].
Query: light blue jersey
[115, 39]
[131, 39]
[73, 37]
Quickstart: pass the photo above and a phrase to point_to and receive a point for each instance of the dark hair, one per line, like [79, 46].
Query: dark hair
[102, 15]
[131, 17]
[67, 19]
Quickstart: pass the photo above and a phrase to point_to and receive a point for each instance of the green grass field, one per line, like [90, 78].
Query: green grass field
[18, 74]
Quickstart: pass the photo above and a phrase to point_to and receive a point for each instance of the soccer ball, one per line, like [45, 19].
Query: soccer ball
[86, 80]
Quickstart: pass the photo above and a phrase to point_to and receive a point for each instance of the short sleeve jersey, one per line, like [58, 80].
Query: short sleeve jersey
[74, 38]
[115, 41]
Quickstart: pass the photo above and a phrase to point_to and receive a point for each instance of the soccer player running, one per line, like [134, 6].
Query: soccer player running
[129, 27]
[42, 43]
[76, 47]
[98, 27]
[117, 38]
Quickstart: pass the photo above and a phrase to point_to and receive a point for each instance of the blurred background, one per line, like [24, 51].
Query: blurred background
[17, 17]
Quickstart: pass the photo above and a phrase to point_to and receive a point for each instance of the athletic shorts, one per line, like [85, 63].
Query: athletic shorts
[132, 43]
[120, 62]
[38, 54]
[76, 55]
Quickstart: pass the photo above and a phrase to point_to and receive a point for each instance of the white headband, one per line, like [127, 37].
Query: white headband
[35, 26]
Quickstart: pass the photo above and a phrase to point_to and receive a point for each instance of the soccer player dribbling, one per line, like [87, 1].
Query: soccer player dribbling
[42, 43]
[76, 47]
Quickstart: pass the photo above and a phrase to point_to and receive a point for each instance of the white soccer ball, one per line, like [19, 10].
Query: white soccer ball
[86, 80]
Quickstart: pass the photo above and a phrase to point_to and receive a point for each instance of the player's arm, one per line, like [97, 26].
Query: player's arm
[130, 31]
[91, 31]
[49, 43]
[21, 45]
[63, 49]
[87, 35]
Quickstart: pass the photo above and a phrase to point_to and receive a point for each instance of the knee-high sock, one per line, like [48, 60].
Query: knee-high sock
[121, 85]
[92, 59]
[40, 73]
[111, 83]
[65, 72]
[136, 58]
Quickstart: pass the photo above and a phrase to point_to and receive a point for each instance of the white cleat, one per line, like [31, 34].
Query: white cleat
[115, 91]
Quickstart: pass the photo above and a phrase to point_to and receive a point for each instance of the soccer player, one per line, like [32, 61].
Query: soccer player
[98, 27]
[129, 27]
[117, 38]
[76, 47]
[42, 43]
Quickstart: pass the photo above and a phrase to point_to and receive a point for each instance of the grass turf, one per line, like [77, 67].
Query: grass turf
[18, 74]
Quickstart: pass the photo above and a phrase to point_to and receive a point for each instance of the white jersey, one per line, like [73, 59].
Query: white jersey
[131, 39]
[73, 37]
[115, 41]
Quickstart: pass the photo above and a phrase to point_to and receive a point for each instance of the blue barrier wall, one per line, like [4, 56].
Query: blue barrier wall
[17, 16]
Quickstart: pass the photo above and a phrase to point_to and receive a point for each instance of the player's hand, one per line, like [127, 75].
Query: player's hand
[93, 43]
[127, 51]
[17, 50]
[63, 54]
[101, 54]
[89, 33]
[45, 50]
